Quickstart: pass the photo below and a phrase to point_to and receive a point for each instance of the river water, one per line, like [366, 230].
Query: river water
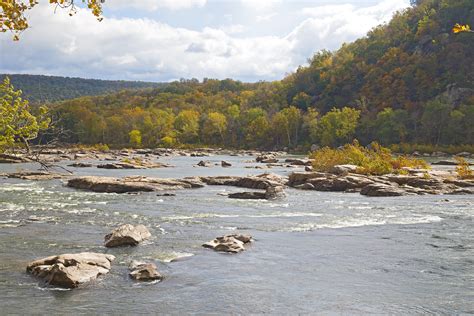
[315, 252]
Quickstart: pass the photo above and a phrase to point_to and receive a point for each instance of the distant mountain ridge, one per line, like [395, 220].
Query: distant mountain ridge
[45, 89]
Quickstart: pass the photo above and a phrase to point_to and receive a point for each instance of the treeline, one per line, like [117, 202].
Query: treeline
[409, 81]
[43, 89]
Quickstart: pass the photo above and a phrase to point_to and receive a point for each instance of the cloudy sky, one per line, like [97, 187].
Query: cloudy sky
[163, 40]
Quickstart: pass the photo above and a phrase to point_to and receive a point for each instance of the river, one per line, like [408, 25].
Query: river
[314, 252]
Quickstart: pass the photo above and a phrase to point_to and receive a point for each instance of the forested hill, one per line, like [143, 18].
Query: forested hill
[409, 81]
[42, 89]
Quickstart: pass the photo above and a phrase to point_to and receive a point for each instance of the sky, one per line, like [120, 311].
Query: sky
[165, 40]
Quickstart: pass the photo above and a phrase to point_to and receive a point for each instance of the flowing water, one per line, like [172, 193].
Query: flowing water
[315, 252]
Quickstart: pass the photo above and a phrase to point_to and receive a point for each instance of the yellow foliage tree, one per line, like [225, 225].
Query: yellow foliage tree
[12, 14]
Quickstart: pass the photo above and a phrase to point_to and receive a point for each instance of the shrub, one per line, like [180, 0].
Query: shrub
[373, 160]
[462, 168]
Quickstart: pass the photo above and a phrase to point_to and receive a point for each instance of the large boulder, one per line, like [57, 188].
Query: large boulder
[132, 184]
[71, 270]
[262, 181]
[127, 235]
[109, 185]
[142, 271]
[298, 162]
[275, 192]
[382, 189]
[297, 178]
[344, 169]
[229, 243]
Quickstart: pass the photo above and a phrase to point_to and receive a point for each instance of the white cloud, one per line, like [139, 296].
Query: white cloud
[260, 5]
[144, 49]
[266, 17]
[153, 5]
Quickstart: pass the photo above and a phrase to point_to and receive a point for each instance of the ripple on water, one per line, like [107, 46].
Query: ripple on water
[354, 222]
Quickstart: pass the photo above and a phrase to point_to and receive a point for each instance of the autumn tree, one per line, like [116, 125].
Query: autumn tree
[187, 126]
[214, 125]
[17, 123]
[135, 138]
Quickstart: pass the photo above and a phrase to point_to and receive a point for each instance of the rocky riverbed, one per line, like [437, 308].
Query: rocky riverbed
[316, 238]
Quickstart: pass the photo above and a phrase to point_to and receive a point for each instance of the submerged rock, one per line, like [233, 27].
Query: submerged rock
[275, 192]
[203, 163]
[71, 270]
[142, 271]
[35, 175]
[133, 165]
[80, 165]
[247, 195]
[127, 235]
[229, 243]
[225, 164]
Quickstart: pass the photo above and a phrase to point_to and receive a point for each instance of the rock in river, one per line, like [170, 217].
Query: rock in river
[132, 184]
[142, 271]
[247, 195]
[71, 270]
[229, 243]
[225, 164]
[127, 235]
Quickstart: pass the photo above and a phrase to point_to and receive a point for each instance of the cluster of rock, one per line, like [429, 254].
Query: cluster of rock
[74, 270]
[229, 243]
[149, 184]
[35, 175]
[133, 165]
[55, 155]
[12, 158]
[417, 182]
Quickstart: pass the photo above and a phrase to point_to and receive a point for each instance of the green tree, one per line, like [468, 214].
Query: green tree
[17, 124]
[435, 120]
[390, 126]
[337, 127]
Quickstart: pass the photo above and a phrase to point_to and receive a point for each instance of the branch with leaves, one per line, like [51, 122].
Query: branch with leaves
[459, 28]
[12, 14]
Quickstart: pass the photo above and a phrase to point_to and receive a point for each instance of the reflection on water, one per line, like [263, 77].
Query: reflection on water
[314, 251]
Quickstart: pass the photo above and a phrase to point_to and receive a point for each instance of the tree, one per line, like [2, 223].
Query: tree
[12, 17]
[390, 126]
[215, 125]
[135, 138]
[187, 126]
[17, 124]
[337, 126]
[434, 120]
